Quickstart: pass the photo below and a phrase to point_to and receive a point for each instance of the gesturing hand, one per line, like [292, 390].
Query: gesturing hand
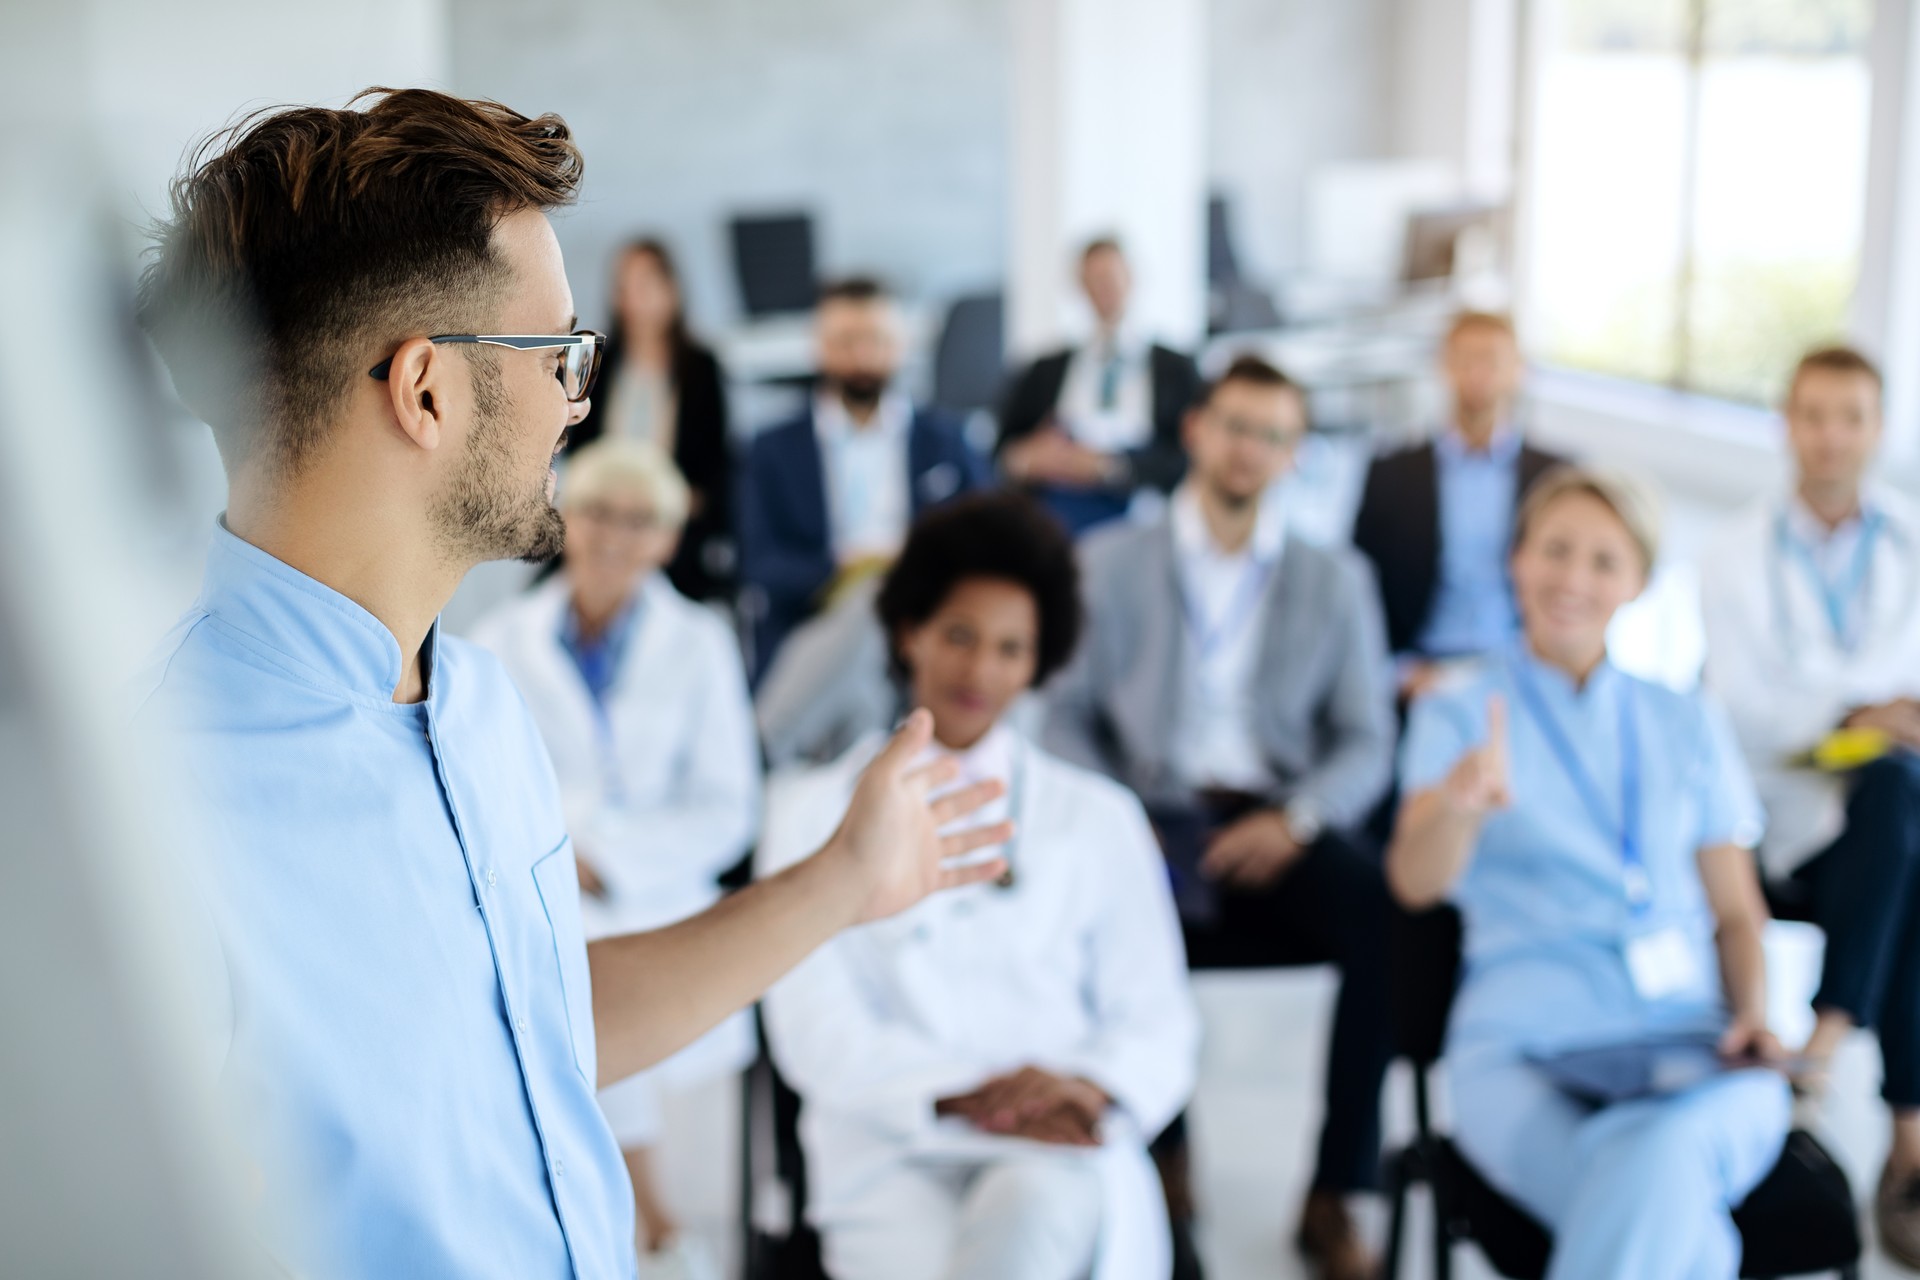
[891, 832]
[1482, 779]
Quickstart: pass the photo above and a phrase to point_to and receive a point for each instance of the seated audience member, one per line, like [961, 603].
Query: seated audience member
[1236, 678]
[979, 1078]
[1594, 830]
[1812, 607]
[1085, 427]
[658, 384]
[1435, 518]
[827, 497]
[643, 705]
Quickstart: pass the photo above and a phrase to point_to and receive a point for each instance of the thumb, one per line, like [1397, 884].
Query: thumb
[908, 741]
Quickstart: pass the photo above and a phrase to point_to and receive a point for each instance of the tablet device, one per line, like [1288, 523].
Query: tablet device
[1600, 1075]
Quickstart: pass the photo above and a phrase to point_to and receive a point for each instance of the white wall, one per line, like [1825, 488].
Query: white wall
[887, 119]
[1109, 107]
[1294, 84]
[162, 76]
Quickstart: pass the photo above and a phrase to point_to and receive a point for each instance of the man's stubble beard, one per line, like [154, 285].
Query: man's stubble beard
[487, 511]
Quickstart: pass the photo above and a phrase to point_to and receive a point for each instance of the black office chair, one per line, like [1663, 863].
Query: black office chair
[969, 361]
[770, 1134]
[1800, 1220]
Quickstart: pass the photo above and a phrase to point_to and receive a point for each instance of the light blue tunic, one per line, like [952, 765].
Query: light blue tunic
[1643, 1188]
[1544, 895]
[409, 1044]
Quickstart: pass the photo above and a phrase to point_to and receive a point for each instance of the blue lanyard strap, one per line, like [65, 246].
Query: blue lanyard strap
[1633, 862]
[1835, 597]
[1239, 610]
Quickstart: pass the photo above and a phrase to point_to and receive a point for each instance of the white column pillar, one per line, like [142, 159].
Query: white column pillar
[1886, 299]
[1455, 89]
[1109, 136]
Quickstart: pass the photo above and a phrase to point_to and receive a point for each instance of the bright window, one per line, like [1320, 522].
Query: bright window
[1695, 185]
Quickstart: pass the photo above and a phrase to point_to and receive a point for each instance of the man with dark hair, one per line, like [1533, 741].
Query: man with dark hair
[369, 306]
[1085, 427]
[827, 496]
[980, 1077]
[1435, 518]
[1235, 676]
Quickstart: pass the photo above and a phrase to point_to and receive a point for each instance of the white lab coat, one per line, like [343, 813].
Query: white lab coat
[1773, 660]
[1078, 967]
[662, 798]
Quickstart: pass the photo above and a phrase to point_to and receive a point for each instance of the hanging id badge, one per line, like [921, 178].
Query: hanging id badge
[1661, 960]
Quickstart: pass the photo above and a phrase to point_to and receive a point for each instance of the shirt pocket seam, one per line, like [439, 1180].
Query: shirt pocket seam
[574, 1039]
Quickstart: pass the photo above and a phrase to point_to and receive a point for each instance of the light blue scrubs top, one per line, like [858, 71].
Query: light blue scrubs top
[409, 1046]
[1473, 610]
[1544, 896]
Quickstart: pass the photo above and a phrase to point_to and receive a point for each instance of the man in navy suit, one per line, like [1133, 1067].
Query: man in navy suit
[827, 497]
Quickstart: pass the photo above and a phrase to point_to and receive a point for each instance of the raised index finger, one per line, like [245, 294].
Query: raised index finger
[1497, 725]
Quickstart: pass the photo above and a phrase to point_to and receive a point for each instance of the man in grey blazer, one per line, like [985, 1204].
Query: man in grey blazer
[1237, 679]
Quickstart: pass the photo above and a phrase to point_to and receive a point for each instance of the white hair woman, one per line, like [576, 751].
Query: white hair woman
[642, 700]
[1595, 832]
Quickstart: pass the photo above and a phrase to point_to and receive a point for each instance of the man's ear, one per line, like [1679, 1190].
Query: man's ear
[417, 387]
[1189, 423]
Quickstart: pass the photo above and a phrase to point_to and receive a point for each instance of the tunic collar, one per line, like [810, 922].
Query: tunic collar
[302, 619]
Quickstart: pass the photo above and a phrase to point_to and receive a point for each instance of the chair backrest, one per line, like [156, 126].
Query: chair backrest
[969, 361]
[773, 261]
[1425, 958]
[1223, 264]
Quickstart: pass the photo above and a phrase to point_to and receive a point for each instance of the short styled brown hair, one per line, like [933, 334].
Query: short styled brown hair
[305, 243]
[1499, 321]
[1834, 359]
[1251, 369]
[855, 289]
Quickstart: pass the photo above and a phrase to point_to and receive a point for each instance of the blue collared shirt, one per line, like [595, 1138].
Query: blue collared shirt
[1473, 609]
[1544, 895]
[598, 659]
[409, 1039]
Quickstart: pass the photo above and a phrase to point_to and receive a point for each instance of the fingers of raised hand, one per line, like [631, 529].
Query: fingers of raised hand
[959, 843]
[932, 776]
[958, 804]
[972, 873]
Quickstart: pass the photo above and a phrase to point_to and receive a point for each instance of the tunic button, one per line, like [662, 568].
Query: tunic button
[522, 1024]
[492, 879]
[559, 1168]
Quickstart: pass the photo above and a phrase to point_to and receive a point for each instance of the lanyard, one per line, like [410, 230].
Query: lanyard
[1239, 611]
[1639, 885]
[1835, 597]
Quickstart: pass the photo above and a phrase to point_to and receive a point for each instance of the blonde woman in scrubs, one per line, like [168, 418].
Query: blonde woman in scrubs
[1595, 832]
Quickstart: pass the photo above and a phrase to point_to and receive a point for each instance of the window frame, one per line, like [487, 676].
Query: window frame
[1884, 317]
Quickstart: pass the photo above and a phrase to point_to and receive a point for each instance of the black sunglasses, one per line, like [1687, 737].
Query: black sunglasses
[577, 369]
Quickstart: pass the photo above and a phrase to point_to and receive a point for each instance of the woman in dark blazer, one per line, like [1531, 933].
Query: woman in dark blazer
[657, 383]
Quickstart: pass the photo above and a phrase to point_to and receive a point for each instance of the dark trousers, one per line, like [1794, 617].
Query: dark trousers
[1330, 907]
[1864, 893]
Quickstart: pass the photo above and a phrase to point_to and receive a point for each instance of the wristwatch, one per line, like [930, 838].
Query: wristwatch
[1304, 820]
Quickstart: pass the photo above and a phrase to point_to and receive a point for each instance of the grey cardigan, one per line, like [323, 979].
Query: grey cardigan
[1322, 688]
